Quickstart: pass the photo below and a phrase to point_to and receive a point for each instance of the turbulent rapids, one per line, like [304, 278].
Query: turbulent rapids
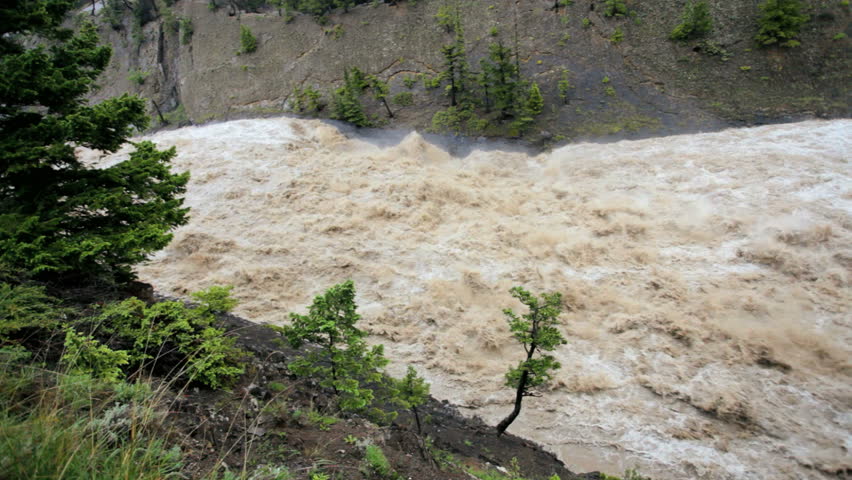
[706, 277]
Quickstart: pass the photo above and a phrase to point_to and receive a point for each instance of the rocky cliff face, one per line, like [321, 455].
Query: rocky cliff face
[642, 85]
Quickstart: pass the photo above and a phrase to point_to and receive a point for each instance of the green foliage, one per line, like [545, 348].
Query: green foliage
[617, 36]
[336, 31]
[535, 102]
[27, 306]
[113, 12]
[448, 16]
[307, 100]
[564, 86]
[85, 355]
[609, 91]
[586, 22]
[458, 120]
[500, 77]
[343, 362]
[494, 31]
[411, 391]
[323, 422]
[839, 36]
[208, 356]
[455, 67]
[248, 42]
[409, 81]
[346, 105]
[780, 22]
[60, 218]
[696, 21]
[185, 30]
[137, 77]
[403, 99]
[376, 463]
[615, 8]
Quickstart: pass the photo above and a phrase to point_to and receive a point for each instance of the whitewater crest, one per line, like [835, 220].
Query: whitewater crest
[706, 277]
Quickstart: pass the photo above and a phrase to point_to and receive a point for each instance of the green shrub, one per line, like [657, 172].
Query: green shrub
[780, 22]
[85, 355]
[206, 354]
[404, 99]
[307, 100]
[615, 8]
[26, 306]
[409, 81]
[376, 462]
[839, 36]
[587, 23]
[137, 77]
[696, 21]
[248, 42]
[617, 36]
[185, 30]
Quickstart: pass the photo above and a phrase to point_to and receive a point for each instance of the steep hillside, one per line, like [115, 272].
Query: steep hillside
[624, 76]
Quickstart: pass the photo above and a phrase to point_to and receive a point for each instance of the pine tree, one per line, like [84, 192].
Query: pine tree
[60, 218]
[535, 102]
[343, 362]
[455, 66]
[411, 392]
[697, 21]
[346, 105]
[537, 331]
[501, 73]
[780, 23]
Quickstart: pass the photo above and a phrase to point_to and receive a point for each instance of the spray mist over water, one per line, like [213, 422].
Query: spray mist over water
[706, 277]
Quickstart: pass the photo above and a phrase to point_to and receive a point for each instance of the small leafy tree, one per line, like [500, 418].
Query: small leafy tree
[380, 91]
[696, 21]
[780, 23]
[248, 42]
[342, 362]
[537, 331]
[411, 392]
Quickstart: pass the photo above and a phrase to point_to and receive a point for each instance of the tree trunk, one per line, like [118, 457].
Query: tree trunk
[519, 397]
[390, 114]
[417, 419]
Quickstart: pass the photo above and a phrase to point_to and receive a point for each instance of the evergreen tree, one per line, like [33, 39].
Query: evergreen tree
[780, 23]
[501, 74]
[456, 67]
[61, 218]
[537, 331]
[343, 362]
[346, 104]
[411, 392]
[697, 21]
[535, 102]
